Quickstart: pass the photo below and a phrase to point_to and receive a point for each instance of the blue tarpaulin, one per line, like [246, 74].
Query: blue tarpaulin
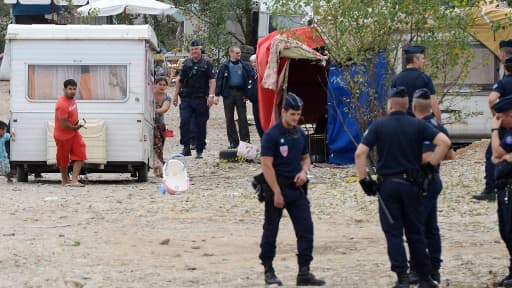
[21, 9]
[342, 127]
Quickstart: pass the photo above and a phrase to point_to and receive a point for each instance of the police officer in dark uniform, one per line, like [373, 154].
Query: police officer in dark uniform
[285, 162]
[399, 139]
[502, 156]
[412, 78]
[502, 88]
[196, 86]
[422, 109]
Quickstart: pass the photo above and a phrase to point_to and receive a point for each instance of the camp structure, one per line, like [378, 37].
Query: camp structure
[290, 62]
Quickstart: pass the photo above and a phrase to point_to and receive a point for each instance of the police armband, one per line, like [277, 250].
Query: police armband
[369, 186]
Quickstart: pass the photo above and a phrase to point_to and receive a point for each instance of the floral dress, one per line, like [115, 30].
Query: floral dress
[159, 130]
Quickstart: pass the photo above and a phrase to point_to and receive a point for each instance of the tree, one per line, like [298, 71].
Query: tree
[221, 23]
[356, 31]
[165, 29]
[5, 20]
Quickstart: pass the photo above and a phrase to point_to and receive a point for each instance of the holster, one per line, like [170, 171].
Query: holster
[265, 194]
[502, 174]
[416, 177]
[262, 189]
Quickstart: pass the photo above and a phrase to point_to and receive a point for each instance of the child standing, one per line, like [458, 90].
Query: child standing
[5, 167]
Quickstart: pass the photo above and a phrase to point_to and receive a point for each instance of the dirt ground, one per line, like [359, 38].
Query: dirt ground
[118, 233]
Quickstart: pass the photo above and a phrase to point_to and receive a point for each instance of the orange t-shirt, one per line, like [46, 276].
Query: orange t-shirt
[65, 108]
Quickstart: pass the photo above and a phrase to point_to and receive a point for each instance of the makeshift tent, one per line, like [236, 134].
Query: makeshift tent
[343, 131]
[274, 58]
[491, 25]
[288, 62]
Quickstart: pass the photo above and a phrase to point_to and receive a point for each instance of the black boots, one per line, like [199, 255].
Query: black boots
[488, 194]
[507, 281]
[186, 151]
[426, 281]
[414, 278]
[436, 276]
[270, 275]
[306, 278]
[402, 280]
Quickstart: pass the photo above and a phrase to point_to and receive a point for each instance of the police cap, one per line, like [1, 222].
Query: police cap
[503, 104]
[506, 43]
[292, 101]
[414, 49]
[398, 92]
[422, 93]
[195, 43]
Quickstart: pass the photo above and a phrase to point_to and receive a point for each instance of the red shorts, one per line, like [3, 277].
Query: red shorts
[73, 148]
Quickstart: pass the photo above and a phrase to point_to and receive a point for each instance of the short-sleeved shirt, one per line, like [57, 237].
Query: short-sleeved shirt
[503, 86]
[399, 139]
[67, 109]
[502, 171]
[202, 63]
[413, 79]
[286, 146]
[428, 146]
[209, 67]
[3, 152]
[506, 141]
[195, 77]
[159, 118]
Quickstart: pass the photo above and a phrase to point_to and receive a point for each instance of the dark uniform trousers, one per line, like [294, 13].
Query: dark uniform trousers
[297, 205]
[404, 202]
[504, 210]
[236, 100]
[489, 168]
[195, 108]
[257, 121]
[432, 234]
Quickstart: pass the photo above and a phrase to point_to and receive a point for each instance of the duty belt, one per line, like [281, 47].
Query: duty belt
[401, 177]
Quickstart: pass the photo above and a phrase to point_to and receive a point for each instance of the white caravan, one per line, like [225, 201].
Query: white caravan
[113, 65]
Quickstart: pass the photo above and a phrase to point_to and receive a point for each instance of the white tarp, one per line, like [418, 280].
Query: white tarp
[46, 2]
[114, 7]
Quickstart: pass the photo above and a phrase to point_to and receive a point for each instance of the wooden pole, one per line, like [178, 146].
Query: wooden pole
[124, 15]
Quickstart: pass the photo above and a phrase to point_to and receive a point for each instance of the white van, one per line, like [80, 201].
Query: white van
[113, 65]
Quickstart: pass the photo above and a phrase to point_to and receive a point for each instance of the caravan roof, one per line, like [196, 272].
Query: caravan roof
[82, 32]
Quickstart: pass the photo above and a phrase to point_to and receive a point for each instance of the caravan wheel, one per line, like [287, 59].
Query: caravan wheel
[21, 174]
[142, 173]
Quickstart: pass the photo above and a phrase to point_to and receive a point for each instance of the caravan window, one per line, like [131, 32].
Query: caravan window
[95, 82]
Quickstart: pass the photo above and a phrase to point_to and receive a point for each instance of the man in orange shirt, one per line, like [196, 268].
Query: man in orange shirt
[68, 139]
